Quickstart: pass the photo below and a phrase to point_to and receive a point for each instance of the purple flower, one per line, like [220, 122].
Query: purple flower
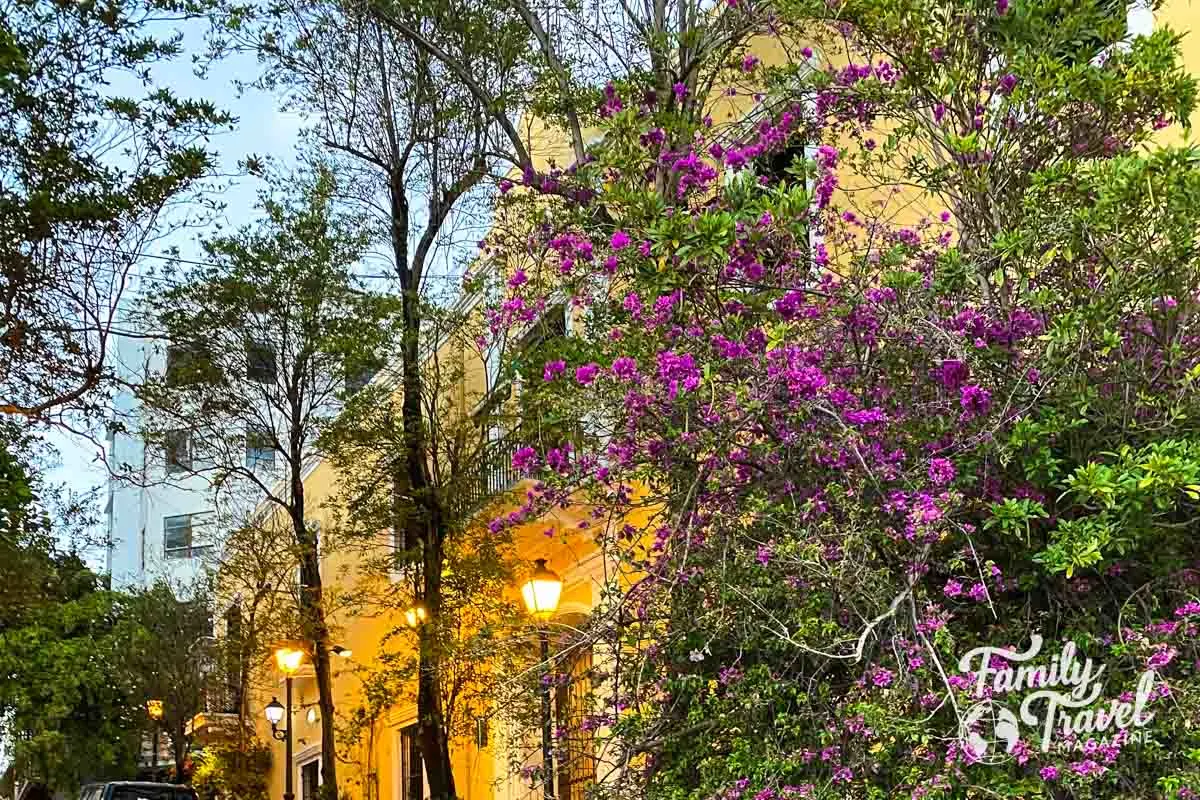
[1162, 656]
[749, 63]
[524, 459]
[882, 677]
[620, 240]
[625, 368]
[977, 593]
[553, 369]
[807, 52]
[765, 553]
[1188, 609]
[953, 589]
[1002, 7]
[1007, 84]
[843, 775]
[975, 401]
[1048, 773]
[505, 186]
[680, 90]
[585, 374]
[517, 279]
[941, 471]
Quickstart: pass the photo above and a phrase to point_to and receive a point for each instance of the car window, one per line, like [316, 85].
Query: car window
[151, 793]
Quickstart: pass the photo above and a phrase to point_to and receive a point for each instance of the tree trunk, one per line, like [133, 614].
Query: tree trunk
[313, 611]
[426, 523]
[179, 744]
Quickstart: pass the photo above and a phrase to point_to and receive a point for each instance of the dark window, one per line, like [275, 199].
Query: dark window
[177, 451]
[184, 535]
[260, 449]
[150, 793]
[358, 376]
[260, 362]
[310, 781]
[577, 758]
[186, 363]
[412, 768]
[775, 165]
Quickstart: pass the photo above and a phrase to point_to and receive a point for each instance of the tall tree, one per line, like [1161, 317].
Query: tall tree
[173, 657]
[88, 179]
[264, 339]
[416, 146]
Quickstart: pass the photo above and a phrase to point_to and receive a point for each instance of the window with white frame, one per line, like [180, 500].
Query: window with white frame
[186, 535]
[260, 449]
[260, 362]
[177, 451]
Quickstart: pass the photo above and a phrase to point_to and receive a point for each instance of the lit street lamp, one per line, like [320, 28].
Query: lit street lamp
[415, 615]
[541, 594]
[288, 660]
[154, 708]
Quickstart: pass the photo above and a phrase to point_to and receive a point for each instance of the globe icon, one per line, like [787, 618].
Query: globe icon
[989, 732]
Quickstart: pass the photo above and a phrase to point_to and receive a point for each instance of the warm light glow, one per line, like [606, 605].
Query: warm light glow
[311, 716]
[274, 712]
[542, 591]
[154, 708]
[288, 659]
[342, 652]
[416, 615]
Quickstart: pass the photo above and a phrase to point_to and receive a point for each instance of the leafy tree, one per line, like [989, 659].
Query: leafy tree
[90, 178]
[420, 163]
[265, 338]
[926, 387]
[173, 657]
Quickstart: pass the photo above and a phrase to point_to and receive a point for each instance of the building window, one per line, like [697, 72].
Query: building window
[184, 535]
[185, 364]
[572, 704]
[260, 362]
[310, 780]
[177, 451]
[260, 449]
[358, 376]
[411, 785]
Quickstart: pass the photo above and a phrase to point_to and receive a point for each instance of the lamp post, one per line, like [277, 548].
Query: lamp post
[154, 708]
[541, 593]
[288, 661]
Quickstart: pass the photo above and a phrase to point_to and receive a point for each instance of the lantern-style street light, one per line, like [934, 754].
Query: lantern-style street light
[416, 615]
[154, 709]
[288, 660]
[541, 594]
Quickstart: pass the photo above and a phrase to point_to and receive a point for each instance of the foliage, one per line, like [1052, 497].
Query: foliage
[90, 174]
[173, 655]
[924, 387]
[267, 339]
[227, 773]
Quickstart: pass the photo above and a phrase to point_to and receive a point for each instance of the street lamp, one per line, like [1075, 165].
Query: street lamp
[288, 660]
[415, 615]
[154, 708]
[541, 594]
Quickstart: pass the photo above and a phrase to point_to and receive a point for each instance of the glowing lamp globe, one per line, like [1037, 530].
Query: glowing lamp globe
[274, 712]
[542, 591]
[288, 660]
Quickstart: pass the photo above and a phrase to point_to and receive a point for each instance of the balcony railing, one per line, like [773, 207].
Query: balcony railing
[493, 472]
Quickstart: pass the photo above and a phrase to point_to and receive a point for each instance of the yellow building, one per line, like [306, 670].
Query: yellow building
[385, 765]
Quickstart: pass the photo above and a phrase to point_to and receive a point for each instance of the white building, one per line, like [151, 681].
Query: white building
[161, 521]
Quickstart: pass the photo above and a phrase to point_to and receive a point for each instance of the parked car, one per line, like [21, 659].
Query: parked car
[135, 790]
